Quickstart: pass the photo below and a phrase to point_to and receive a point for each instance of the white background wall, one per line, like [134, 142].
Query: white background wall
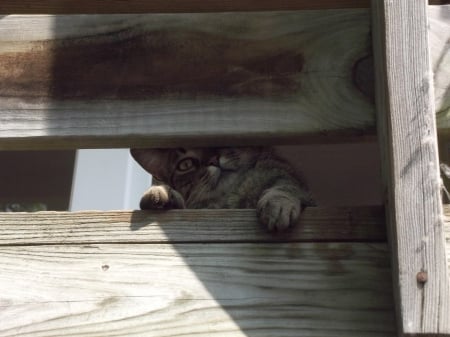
[107, 180]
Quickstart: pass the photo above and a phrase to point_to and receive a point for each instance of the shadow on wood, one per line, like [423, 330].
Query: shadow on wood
[292, 289]
[156, 79]
[153, 80]
[195, 272]
[208, 272]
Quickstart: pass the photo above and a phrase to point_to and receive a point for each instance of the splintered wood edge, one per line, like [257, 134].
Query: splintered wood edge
[357, 224]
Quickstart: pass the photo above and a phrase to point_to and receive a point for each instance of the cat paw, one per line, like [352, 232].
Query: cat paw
[161, 197]
[277, 212]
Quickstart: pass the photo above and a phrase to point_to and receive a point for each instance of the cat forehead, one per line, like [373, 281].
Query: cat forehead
[192, 152]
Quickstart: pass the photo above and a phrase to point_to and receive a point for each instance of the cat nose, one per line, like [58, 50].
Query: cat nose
[214, 161]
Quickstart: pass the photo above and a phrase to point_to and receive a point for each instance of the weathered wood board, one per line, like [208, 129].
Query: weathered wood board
[407, 133]
[358, 224]
[117, 285]
[111, 80]
[196, 290]
[171, 79]
[166, 79]
[187, 273]
[172, 6]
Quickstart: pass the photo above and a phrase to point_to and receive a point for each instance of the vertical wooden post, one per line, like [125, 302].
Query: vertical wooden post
[408, 139]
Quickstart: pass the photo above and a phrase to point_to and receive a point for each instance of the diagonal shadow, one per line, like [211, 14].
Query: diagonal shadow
[251, 288]
[265, 284]
[87, 64]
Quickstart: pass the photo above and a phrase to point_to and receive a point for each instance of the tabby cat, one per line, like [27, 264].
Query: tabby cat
[246, 177]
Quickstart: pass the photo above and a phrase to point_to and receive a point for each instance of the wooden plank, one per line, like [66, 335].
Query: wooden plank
[171, 79]
[227, 289]
[181, 226]
[407, 133]
[172, 6]
[250, 290]
[168, 79]
[345, 224]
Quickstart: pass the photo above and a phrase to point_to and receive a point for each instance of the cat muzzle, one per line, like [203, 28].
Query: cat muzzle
[214, 161]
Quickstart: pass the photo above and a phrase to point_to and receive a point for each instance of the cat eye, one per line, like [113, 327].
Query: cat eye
[186, 164]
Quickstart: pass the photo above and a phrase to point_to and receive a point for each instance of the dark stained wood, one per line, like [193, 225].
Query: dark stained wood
[259, 55]
[155, 64]
[167, 79]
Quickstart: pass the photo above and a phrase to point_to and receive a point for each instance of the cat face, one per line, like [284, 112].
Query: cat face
[197, 168]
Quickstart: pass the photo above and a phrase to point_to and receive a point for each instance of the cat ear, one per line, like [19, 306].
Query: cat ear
[154, 161]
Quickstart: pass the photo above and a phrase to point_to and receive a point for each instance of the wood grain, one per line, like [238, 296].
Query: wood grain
[167, 79]
[250, 290]
[342, 224]
[406, 128]
[364, 224]
[66, 287]
[172, 6]
[172, 79]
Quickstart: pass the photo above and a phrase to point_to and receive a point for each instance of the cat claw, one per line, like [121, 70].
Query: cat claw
[161, 197]
[278, 215]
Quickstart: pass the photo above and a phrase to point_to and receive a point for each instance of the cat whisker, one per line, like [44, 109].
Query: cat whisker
[233, 178]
